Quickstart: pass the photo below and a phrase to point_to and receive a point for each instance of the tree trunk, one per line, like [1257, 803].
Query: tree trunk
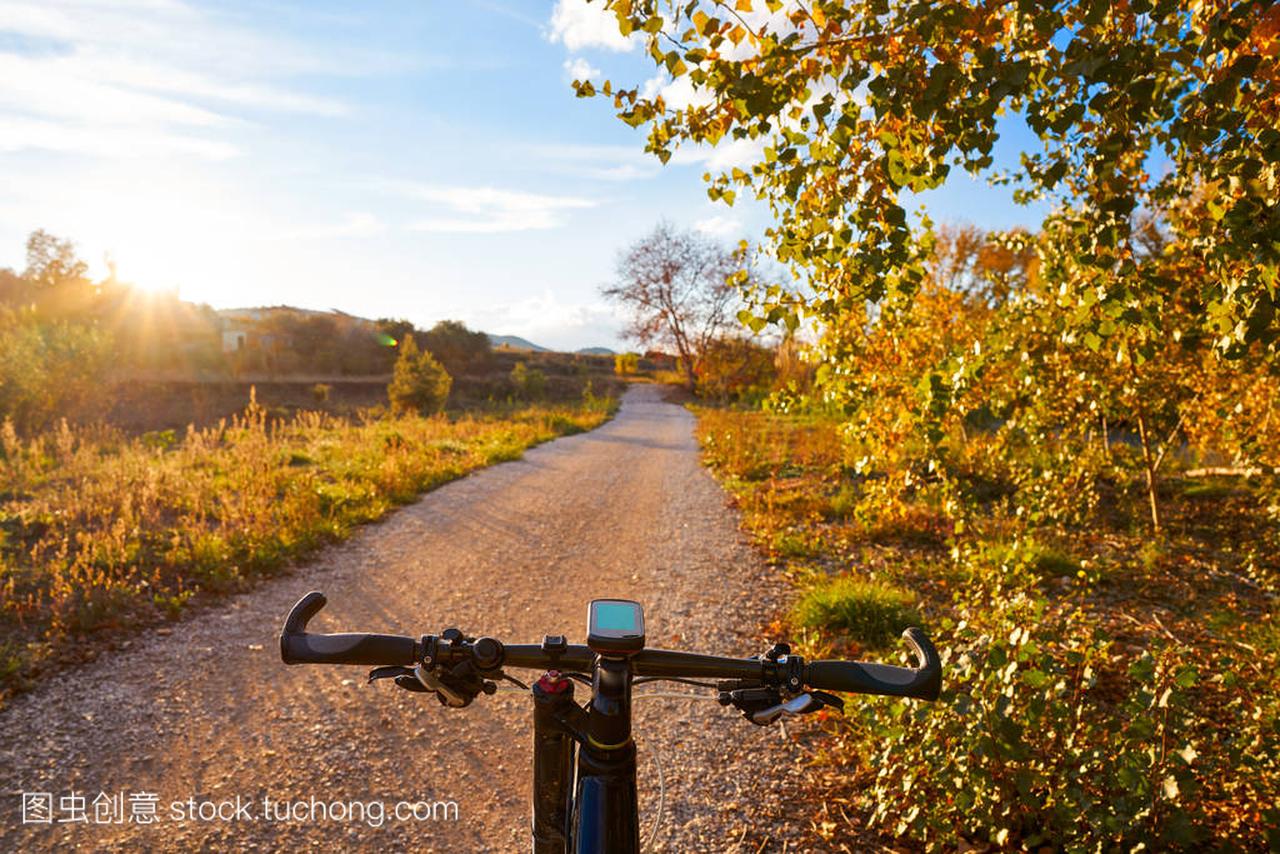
[690, 376]
[1149, 463]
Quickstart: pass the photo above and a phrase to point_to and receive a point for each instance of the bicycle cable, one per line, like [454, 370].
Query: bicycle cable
[662, 798]
[515, 681]
[695, 683]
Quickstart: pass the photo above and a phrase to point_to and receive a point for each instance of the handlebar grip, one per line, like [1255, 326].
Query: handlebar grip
[348, 649]
[856, 677]
[298, 647]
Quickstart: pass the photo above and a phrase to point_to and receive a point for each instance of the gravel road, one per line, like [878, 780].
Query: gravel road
[204, 710]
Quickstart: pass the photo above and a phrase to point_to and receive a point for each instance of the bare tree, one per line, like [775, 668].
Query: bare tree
[676, 285]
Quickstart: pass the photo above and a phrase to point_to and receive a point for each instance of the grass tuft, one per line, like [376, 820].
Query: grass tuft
[871, 612]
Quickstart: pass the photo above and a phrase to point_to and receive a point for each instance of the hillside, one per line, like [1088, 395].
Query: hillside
[515, 342]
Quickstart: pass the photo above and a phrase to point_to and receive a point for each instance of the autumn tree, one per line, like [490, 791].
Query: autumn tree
[853, 104]
[625, 364]
[679, 288]
[52, 262]
[856, 106]
[57, 278]
[458, 348]
[419, 383]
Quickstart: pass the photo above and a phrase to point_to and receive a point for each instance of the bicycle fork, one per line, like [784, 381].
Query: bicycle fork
[553, 762]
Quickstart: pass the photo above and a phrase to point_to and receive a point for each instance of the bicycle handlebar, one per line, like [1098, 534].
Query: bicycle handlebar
[298, 647]
[923, 682]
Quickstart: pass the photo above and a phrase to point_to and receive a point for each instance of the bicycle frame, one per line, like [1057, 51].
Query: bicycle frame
[600, 813]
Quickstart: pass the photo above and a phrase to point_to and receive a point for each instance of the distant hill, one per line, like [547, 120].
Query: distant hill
[515, 342]
[597, 351]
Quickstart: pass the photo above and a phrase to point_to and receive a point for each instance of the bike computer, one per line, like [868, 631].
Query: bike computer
[615, 627]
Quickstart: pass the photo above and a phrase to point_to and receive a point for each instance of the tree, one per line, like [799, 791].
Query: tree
[314, 339]
[457, 347]
[851, 103]
[52, 261]
[679, 288]
[1143, 112]
[58, 280]
[419, 383]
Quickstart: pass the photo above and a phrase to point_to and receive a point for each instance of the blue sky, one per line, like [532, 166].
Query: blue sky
[425, 160]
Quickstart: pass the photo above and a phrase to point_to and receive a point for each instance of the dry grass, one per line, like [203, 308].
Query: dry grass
[100, 531]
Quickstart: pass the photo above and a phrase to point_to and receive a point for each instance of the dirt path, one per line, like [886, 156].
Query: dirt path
[514, 551]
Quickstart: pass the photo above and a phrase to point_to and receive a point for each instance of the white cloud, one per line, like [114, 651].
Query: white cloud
[740, 153]
[18, 134]
[550, 320]
[142, 77]
[718, 226]
[676, 94]
[579, 69]
[354, 224]
[487, 210]
[579, 24]
[600, 162]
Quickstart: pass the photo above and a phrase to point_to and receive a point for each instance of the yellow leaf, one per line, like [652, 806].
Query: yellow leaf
[819, 17]
[737, 34]
[743, 5]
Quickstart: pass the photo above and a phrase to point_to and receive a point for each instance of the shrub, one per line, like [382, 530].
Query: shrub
[419, 383]
[735, 369]
[456, 347]
[50, 370]
[320, 392]
[1102, 690]
[871, 612]
[1025, 748]
[530, 383]
[626, 363]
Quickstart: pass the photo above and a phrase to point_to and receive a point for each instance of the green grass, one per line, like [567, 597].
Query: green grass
[1051, 562]
[871, 612]
[842, 504]
[1213, 490]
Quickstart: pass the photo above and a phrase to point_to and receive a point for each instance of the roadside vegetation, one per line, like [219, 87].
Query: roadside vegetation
[101, 533]
[1102, 686]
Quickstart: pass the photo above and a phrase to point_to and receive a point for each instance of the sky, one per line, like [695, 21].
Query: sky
[424, 160]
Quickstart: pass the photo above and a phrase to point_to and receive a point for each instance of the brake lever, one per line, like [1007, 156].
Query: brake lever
[393, 671]
[455, 688]
[801, 704]
[404, 678]
[448, 696]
